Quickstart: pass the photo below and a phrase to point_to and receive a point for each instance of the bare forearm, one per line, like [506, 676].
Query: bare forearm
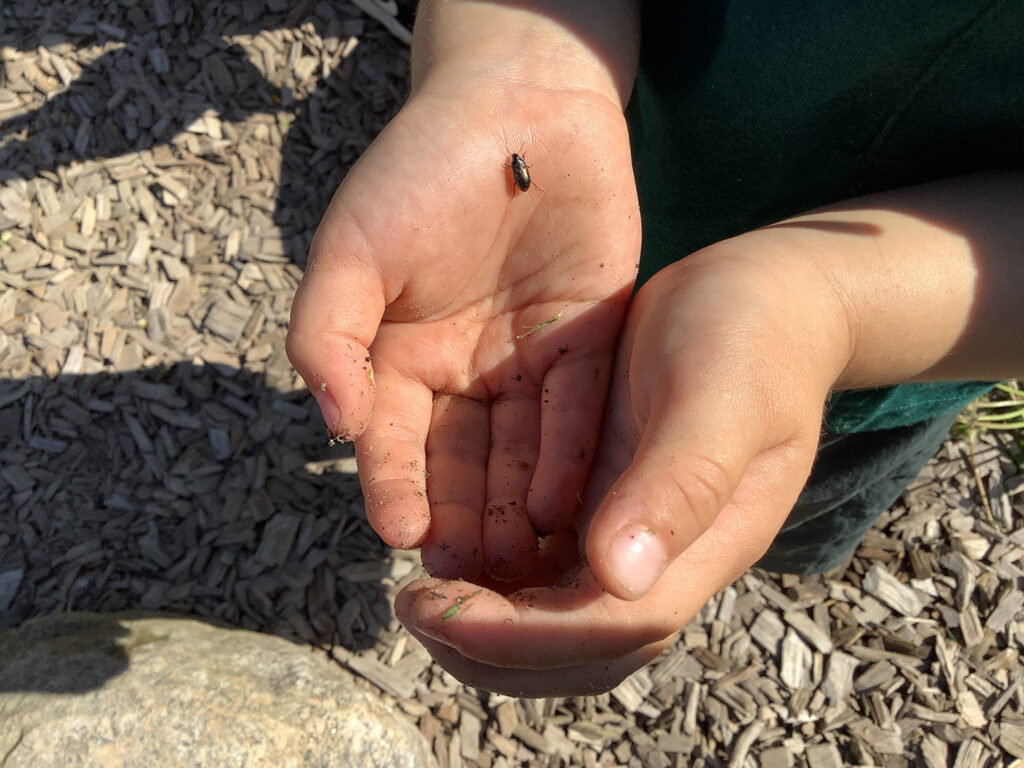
[549, 43]
[929, 279]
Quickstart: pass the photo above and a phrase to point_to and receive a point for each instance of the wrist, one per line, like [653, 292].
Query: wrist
[793, 306]
[556, 44]
[928, 277]
[751, 316]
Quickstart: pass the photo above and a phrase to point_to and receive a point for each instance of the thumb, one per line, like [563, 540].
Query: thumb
[696, 466]
[335, 315]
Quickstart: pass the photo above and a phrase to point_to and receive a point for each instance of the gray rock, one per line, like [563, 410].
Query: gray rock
[140, 690]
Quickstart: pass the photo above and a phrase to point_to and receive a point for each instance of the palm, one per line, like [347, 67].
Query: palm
[486, 407]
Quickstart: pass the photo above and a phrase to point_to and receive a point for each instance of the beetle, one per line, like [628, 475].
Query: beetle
[521, 174]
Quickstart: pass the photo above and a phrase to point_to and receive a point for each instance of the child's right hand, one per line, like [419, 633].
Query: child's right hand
[714, 415]
[462, 329]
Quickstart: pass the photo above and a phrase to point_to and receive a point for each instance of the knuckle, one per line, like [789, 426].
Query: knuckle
[703, 486]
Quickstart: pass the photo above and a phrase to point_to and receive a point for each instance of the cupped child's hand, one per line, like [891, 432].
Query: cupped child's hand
[710, 433]
[464, 329]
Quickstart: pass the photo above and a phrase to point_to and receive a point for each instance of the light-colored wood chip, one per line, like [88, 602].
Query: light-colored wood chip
[809, 630]
[795, 662]
[881, 584]
[1005, 611]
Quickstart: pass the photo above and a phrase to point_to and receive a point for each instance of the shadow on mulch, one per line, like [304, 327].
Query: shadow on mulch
[188, 489]
[123, 102]
[191, 489]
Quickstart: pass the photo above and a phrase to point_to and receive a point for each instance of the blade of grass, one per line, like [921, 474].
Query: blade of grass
[539, 326]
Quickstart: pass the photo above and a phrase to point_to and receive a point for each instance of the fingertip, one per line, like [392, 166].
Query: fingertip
[650, 515]
[509, 568]
[437, 561]
[452, 549]
[331, 414]
[510, 544]
[406, 599]
[335, 316]
[397, 511]
[626, 551]
[554, 507]
[416, 607]
[511, 573]
[635, 559]
[339, 375]
[440, 606]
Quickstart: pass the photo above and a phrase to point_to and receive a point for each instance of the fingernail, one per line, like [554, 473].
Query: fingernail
[637, 558]
[329, 410]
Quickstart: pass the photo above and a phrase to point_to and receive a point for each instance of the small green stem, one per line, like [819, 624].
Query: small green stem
[459, 601]
[537, 327]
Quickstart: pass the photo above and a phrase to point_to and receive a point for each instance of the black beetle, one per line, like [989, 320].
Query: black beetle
[521, 174]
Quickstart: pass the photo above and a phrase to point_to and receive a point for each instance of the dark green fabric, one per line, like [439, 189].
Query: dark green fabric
[872, 409]
[747, 112]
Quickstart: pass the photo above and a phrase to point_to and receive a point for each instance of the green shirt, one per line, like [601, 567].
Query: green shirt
[747, 112]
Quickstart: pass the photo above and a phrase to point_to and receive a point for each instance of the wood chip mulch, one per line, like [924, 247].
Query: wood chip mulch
[162, 168]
